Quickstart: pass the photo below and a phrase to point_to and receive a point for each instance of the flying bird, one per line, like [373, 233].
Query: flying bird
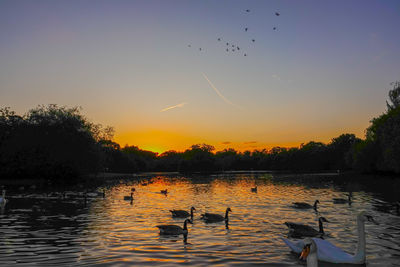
[245, 55]
[247, 10]
[189, 46]
[200, 48]
[245, 29]
[274, 28]
[219, 39]
[276, 13]
[227, 43]
[253, 40]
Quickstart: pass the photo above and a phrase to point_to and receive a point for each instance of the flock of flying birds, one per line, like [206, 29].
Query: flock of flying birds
[235, 48]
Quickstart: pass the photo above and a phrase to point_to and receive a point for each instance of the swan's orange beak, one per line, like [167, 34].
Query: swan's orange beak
[305, 252]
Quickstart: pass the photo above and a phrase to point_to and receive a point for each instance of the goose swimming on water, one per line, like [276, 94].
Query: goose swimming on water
[343, 200]
[212, 217]
[301, 230]
[303, 205]
[183, 213]
[254, 189]
[328, 252]
[129, 197]
[171, 229]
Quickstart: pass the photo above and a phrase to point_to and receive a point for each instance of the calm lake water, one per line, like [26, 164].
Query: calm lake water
[49, 230]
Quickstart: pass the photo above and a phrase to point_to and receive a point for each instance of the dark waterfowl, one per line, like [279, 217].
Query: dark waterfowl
[303, 205]
[301, 230]
[254, 189]
[129, 197]
[212, 217]
[171, 229]
[343, 200]
[133, 189]
[183, 213]
[164, 191]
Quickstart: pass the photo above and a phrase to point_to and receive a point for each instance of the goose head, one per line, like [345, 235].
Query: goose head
[228, 210]
[192, 209]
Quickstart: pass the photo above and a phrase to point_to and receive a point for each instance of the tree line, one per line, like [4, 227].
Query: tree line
[59, 144]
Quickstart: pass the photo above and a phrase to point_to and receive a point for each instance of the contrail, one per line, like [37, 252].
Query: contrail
[219, 93]
[176, 106]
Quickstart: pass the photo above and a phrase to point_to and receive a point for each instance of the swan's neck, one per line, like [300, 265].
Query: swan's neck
[360, 254]
[321, 227]
[312, 260]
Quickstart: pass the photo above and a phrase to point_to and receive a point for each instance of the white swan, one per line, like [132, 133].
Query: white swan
[309, 253]
[330, 253]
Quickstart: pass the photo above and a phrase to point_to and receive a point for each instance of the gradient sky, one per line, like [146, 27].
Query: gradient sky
[326, 70]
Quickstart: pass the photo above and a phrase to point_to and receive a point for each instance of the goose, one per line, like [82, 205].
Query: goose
[3, 199]
[303, 205]
[328, 252]
[129, 197]
[211, 217]
[164, 191]
[254, 189]
[133, 189]
[343, 200]
[297, 230]
[170, 229]
[309, 253]
[183, 213]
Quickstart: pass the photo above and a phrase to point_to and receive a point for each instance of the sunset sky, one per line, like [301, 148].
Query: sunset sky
[137, 66]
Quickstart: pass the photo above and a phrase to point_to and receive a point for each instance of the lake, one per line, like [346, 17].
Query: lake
[59, 228]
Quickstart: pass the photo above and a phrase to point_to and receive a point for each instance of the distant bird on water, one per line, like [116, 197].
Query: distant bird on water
[183, 213]
[170, 229]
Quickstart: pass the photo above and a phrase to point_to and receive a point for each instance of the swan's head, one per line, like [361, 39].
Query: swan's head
[309, 248]
[192, 208]
[363, 216]
[228, 209]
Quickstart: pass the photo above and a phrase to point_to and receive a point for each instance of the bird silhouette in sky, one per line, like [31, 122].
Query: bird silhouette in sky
[227, 43]
[219, 39]
[274, 28]
[276, 13]
[253, 40]
[247, 10]
[245, 29]
[189, 46]
[245, 55]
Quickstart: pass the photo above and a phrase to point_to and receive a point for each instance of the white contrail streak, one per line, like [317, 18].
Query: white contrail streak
[219, 93]
[176, 106]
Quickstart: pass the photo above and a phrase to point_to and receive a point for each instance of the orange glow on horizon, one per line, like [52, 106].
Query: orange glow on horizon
[161, 141]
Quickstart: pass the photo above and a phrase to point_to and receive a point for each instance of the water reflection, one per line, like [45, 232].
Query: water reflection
[85, 228]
